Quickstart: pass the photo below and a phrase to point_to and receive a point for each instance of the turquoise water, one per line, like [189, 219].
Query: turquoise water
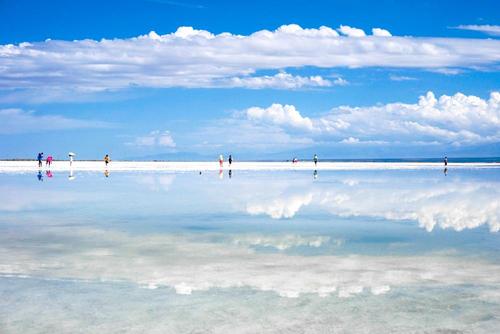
[257, 252]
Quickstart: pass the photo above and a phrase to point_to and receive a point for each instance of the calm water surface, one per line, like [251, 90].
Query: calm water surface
[257, 252]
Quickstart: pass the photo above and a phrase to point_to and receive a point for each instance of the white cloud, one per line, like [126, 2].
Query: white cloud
[198, 58]
[485, 28]
[155, 138]
[350, 140]
[454, 120]
[381, 32]
[282, 80]
[340, 81]
[20, 121]
[351, 32]
[279, 114]
[401, 78]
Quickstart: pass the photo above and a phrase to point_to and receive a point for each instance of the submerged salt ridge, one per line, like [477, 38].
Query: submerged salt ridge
[23, 166]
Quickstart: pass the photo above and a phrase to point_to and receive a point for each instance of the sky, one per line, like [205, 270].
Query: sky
[172, 79]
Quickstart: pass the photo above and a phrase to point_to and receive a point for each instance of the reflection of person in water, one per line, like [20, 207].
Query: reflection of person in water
[445, 171]
[230, 173]
[315, 174]
[39, 176]
[48, 173]
[106, 173]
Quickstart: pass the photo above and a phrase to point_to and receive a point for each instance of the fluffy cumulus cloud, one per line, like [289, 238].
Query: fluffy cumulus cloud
[453, 120]
[484, 28]
[352, 32]
[381, 32]
[279, 114]
[155, 138]
[199, 58]
[21, 121]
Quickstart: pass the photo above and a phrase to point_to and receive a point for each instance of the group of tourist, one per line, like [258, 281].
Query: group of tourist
[315, 160]
[48, 161]
[221, 160]
[71, 155]
[230, 160]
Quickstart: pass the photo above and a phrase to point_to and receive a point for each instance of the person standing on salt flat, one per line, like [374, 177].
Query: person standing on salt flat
[39, 158]
[71, 155]
[48, 162]
[230, 160]
[221, 161]
[315, 159]
[445, 161]
[106, 160]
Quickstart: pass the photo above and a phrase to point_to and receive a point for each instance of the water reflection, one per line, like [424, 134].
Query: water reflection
[264, 241]
[199, 262]
[458, 202]
[458, 205]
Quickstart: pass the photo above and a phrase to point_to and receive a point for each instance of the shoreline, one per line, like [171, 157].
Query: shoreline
[180, 166]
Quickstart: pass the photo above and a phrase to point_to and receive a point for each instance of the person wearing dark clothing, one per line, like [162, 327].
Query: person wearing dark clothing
[315, 159]
[445, 161]
[40, 158]
[230, 160]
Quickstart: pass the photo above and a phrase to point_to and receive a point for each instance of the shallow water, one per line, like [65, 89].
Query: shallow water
[257, 252]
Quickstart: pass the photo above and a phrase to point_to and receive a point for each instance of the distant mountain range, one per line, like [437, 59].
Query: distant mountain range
[324, 155]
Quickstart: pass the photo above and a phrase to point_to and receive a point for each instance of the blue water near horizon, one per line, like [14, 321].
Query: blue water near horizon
[257, 252]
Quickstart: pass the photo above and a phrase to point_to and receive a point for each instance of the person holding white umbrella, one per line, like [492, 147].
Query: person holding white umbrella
[71, 156]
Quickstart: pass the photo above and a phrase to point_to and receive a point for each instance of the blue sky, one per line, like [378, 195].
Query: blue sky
[258, 80]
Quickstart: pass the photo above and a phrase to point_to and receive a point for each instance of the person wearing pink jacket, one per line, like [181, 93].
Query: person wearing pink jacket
[48, 162]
